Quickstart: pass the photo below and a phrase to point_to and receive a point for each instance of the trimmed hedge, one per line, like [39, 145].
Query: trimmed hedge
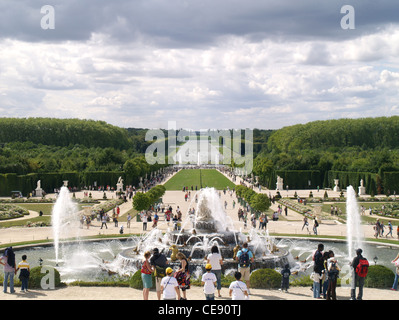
[379, 277]
[36, 276]
[265, 279]
[49, 181]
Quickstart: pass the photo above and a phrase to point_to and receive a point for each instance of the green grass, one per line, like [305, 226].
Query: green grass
[200, 178]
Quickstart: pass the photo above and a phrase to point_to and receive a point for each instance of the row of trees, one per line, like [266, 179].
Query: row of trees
[260, 202]
[345, 149]
[143, 201]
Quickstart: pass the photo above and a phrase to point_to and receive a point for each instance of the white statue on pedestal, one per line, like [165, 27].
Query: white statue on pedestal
[38, 190]
[336, 188]
[279, 184]
[119, 185]
[362, 188]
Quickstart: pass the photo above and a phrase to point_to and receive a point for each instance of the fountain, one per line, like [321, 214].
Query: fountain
[355, 238]
[63, 219]
[211, 226]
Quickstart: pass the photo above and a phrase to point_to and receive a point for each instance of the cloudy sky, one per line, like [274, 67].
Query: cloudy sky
[199, 63]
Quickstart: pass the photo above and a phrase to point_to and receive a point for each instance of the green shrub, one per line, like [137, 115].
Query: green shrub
[265, 279]
[136, 282]
[379, 277]
[36, 276]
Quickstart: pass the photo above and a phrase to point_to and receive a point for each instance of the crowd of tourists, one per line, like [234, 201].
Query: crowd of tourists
[173, 280]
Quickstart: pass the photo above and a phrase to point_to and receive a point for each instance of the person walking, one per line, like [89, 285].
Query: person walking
[8, 261]
[359, 272]
[315, 226]
[146, 274]
[208, 280]
[144, 218]
[169, 286]
[129, 218]
[305, 224]
[395, 282]
[238, 290]
[24, 273]
[215, 259]
[159, 262]
[390, 228]
[104, 221]
[245, 258]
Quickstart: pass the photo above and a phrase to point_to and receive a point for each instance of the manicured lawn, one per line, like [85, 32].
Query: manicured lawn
[200, 178]
[213, 178]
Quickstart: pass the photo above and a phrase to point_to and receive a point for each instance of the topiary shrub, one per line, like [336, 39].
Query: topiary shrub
[36, 276]
[379, 277]
[265, 279]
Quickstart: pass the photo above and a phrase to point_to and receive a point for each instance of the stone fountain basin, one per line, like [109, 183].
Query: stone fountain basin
[192, 246]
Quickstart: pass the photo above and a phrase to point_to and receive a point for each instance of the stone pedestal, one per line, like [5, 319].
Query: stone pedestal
[362, 189]
[39, 192]
[336, 188]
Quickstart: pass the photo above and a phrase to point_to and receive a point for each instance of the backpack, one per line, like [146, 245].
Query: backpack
[333, 272]
[244, 259]
[362, 268]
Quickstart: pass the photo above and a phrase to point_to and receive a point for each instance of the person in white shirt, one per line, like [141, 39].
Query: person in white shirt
[238, 289]
[215, 260]
[169, 286]
[208, 281]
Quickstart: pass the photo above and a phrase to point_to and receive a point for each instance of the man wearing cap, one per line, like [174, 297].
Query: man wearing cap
[160, 263]
[208, 281]
[169, 286]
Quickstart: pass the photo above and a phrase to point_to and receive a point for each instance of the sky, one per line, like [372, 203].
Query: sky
[201, 64]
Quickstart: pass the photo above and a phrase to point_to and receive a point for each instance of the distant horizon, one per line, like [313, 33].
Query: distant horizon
[203, 129]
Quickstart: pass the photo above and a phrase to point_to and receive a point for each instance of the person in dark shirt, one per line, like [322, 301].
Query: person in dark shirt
[356, 280]
[160, 263]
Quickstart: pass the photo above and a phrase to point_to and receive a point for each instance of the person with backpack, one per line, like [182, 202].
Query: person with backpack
[360, 268]
[159, 262]
[333, 271]
[285, 278]
[245, 258]
[8, 261]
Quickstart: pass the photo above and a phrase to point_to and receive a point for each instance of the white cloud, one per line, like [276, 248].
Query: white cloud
[231, 73]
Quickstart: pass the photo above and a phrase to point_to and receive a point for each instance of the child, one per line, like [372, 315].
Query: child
[208, 281]
[169, 286]
[316, 277]
[238, 289]
[285, 280]
[24, 273]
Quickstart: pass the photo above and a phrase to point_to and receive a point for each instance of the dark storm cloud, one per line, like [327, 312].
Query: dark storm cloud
[179, 23]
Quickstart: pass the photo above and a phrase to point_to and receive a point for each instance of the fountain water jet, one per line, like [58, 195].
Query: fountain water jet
[355, 238]
[63, 219]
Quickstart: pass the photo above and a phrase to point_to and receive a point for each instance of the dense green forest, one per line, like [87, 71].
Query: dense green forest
[363, 146]
[37, 145]
[305, 155]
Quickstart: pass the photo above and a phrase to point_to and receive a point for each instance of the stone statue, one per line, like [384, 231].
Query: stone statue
[362, 188]
[204, 213]
[279, 184]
